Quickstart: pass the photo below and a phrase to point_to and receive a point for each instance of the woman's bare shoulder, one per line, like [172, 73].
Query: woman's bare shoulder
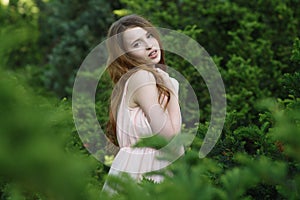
[138, 81]
[141, 77]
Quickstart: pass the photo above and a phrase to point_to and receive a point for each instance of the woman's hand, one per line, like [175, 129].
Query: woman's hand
[164, 121]
[169, 82]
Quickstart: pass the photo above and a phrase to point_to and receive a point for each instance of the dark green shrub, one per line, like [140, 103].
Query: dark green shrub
[19, 34]
[69, 31]
[40, 155]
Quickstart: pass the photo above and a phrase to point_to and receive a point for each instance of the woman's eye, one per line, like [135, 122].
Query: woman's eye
[150, 35]
[137, 44]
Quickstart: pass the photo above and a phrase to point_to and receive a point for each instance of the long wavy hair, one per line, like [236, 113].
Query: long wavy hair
[121, 65]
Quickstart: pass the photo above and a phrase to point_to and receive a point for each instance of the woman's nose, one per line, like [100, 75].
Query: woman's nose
[149, 46]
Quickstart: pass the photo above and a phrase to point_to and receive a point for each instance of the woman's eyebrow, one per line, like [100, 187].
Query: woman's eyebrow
[134, 41]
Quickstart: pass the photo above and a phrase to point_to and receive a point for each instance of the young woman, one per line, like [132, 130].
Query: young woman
[144, 101]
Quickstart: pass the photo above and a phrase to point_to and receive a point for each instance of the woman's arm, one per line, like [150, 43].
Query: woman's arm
[166, 122]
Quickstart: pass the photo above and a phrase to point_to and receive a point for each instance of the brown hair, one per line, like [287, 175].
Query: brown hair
[120, 63]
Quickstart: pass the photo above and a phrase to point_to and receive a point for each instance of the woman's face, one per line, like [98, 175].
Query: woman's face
[142, 45]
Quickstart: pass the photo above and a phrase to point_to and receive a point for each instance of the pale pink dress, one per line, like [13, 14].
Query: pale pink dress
[132, 125]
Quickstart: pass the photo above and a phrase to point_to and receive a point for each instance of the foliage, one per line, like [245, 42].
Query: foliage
[69, 30]
[39, 156]
[19, 34]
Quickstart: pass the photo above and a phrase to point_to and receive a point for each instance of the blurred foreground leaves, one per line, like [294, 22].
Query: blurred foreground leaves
[36, 160]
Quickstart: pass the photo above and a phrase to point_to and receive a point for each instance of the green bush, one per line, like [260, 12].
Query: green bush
[19, 34]
[40, 153]
[69, 31]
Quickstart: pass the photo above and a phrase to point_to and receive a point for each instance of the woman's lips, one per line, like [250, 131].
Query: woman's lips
[153, 54]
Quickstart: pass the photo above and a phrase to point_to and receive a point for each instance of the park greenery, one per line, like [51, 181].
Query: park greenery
[254, 44]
